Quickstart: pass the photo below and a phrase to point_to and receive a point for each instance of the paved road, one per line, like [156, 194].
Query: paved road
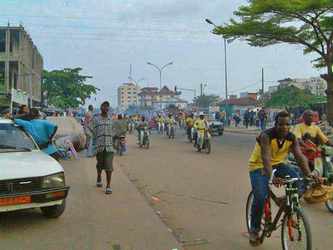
[92, 220]
[202, 197]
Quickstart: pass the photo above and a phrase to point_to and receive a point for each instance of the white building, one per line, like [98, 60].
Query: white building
[128, 95]
[316, 85]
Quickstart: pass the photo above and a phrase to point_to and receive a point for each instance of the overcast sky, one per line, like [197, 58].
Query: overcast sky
[105, 36]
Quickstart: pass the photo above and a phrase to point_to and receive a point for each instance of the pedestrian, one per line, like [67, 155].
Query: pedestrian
[262, 115]
[103, 134]
[247, 118]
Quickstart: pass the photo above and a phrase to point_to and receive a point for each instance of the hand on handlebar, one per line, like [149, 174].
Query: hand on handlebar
[277, 181]
[316, 178]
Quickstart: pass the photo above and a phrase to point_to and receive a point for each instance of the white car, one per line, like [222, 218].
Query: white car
[29, 178]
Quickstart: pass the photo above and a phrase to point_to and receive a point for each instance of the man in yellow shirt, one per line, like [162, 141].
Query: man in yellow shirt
[189, 124]
[160, 124]
[271, 152]
[308, 127]
[201, 126]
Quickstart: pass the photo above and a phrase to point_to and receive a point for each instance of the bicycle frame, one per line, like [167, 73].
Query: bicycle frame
[288, 206]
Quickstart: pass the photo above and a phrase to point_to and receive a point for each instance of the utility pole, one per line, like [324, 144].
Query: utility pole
[262, 81]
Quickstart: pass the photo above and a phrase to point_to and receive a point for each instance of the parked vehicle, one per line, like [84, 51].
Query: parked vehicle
[216, 127]
[29, 178]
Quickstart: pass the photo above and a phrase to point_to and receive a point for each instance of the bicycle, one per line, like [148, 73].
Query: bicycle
[295, 227]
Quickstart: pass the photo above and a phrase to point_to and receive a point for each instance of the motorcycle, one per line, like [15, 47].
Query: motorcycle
[160, 127]
[166, 129]
[130, 127]
[320, 161]
[189, 134]
[171, 131]
[206, 144]
[144, 138]
[322, 165]
[121, 144]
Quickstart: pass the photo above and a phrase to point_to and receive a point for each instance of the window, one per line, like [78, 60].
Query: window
[2, 77]
[2, 41]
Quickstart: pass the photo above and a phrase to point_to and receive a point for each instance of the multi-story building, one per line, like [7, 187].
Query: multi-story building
[151, 97]
[148, 96]
[316, 85]
[128, 95]
[21, 65]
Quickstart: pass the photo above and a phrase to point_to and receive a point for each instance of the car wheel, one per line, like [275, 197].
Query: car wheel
[54, 211]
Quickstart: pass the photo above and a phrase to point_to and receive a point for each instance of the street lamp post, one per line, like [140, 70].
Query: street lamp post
[225, 68]
[160, 69]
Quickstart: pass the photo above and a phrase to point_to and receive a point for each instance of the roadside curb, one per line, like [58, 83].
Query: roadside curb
[238, 131]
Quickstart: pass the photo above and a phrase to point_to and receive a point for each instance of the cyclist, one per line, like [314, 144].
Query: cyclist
[271, 151]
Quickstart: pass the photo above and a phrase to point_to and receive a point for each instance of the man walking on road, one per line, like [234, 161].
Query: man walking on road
[103, 134]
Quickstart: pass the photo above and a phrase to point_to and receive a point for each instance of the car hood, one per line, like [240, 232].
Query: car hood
[215, 123]
[15, 165]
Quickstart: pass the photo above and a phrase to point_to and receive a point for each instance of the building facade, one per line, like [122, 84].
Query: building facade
[316, 85]
[21, 65]
[152, 98]
[148, 96]
[128, 95]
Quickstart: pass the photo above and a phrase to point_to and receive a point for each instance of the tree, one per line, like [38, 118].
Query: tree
[67, 88]
[299, 22]
[205, 101]
[292, 97]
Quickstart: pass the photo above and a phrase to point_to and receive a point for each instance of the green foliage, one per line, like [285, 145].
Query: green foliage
[303, 22]
[292, 97]
[205, 100]
[67, 88]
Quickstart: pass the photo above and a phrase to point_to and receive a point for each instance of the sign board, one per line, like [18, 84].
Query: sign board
[20, 97]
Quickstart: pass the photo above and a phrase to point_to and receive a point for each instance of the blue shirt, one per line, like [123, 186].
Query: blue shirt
[41, 131]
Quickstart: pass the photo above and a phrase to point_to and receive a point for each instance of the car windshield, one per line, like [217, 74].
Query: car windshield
[13, 138]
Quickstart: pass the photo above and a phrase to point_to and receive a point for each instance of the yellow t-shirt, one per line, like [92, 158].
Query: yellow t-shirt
[279, 151]
[189, 121]
[314, 131]
[200, 125]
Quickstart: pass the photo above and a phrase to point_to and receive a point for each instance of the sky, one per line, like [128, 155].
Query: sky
[105, 37]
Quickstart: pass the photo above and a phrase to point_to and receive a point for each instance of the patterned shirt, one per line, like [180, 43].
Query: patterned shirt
[103, 133]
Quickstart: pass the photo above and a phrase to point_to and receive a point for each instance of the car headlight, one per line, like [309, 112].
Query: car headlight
[54, 181]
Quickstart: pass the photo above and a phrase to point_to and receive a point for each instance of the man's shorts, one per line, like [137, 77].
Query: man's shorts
[104, 161]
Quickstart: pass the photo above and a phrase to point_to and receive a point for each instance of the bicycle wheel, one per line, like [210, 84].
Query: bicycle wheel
[208, 147]
[295, 231]
[248, 215]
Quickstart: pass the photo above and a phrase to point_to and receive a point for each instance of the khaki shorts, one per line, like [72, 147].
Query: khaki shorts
[104, 161]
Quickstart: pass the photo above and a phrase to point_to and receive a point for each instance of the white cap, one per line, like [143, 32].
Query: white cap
[201, 113]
